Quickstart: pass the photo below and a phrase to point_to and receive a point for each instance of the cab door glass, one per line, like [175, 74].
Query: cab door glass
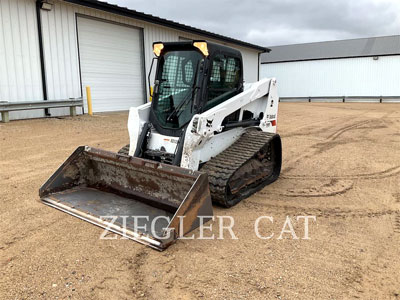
[224, 79]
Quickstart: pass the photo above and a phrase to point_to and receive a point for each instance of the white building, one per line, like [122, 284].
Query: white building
[360, 68]
[53, 49]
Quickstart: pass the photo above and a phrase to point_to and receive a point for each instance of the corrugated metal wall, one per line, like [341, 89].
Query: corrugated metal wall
[362, 76]
[61, 52]
[20, 74]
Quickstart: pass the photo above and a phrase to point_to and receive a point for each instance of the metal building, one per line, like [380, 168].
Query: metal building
[52, 49]
[360, 69]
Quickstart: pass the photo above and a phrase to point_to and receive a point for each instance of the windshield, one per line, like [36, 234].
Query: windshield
[177, 77]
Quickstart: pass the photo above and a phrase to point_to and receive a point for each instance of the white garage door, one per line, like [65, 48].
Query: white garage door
[111, 59]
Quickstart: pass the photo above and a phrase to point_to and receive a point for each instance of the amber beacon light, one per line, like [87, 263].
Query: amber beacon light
[202, 46]
[157, 47]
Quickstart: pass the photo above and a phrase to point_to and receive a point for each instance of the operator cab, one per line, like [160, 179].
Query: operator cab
[192, 77]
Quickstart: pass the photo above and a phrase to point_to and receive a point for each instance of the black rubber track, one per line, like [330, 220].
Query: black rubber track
[222, 167]
[124, 150]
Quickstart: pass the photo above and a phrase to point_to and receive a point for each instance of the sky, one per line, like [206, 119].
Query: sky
[279, 22]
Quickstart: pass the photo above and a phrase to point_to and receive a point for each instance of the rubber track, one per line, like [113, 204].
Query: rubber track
[221, 168]
[124, 150]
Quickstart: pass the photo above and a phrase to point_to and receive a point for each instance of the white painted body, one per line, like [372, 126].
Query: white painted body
[204, 136]
[360, 76]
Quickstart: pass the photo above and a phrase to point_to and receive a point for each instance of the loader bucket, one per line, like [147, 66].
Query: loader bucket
[146, 201]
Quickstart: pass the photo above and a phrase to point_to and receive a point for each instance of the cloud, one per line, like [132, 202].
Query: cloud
[277, 22]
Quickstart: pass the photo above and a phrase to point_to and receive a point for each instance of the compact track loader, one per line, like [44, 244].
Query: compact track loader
[204, 136]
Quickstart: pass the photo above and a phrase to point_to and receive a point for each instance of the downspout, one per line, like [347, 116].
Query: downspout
[258, 67]
[41, 53]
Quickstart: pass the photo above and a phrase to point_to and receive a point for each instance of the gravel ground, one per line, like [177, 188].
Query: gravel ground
[341, 163]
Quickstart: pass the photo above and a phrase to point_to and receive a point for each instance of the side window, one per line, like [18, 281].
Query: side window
[224, 79]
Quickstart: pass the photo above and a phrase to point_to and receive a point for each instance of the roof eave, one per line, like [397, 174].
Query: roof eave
[328, 58]
[115, 9]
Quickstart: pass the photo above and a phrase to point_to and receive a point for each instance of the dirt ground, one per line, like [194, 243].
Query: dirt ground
[341, 163]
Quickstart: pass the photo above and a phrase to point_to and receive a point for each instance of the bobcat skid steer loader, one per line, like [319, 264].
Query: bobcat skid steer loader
[205, 136]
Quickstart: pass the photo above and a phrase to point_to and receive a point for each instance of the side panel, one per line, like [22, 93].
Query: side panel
[20, 73]
[203, 126]
[217, 144]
